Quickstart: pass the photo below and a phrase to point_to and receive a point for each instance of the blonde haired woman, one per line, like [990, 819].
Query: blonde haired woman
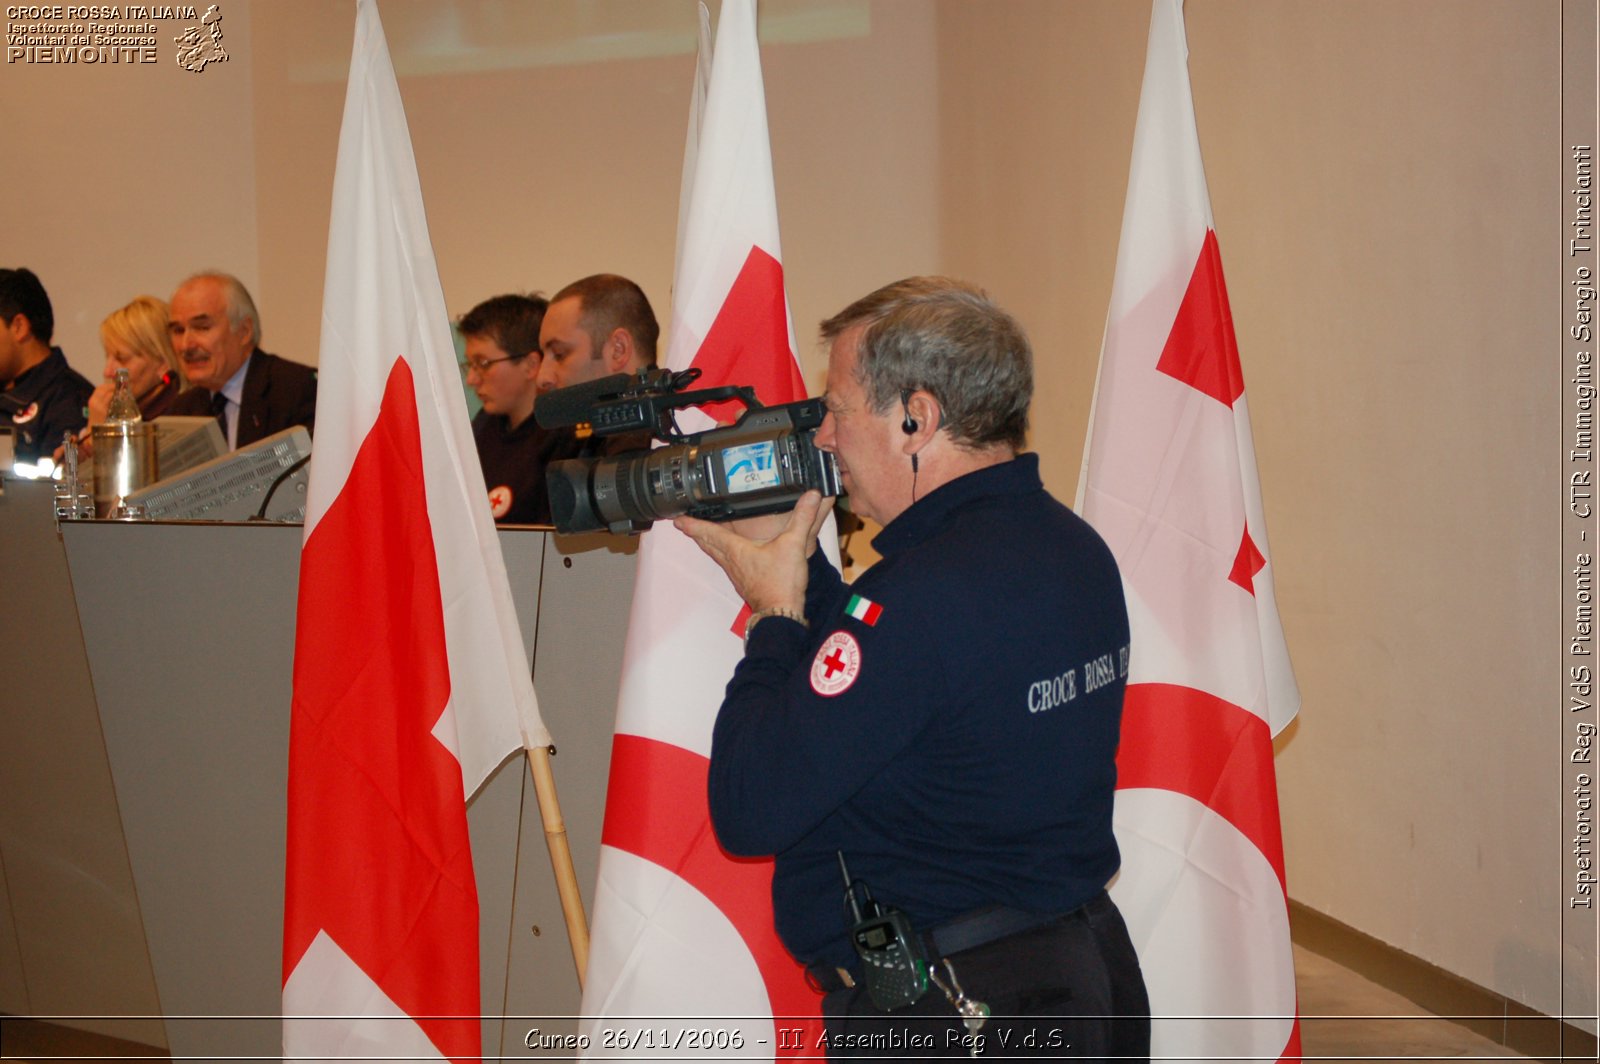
[136, 339]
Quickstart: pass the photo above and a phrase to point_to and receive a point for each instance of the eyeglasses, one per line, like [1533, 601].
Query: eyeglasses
[482, 364]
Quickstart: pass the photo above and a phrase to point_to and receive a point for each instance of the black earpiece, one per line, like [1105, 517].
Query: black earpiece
[909, 425]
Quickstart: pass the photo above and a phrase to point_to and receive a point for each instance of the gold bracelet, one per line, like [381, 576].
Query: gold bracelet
[771, 611]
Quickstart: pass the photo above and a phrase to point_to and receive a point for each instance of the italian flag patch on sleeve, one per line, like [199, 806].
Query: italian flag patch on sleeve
[864, 610]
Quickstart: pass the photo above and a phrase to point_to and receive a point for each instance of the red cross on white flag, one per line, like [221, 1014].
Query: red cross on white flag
[680, 928]
[1170, 482]
[410, 681]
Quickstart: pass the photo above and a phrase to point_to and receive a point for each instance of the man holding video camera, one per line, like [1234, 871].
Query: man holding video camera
[946, 728]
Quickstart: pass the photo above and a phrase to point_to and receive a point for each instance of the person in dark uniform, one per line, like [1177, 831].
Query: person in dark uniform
[502, 368]
[41, 397]
[949, 723]
[216, 333]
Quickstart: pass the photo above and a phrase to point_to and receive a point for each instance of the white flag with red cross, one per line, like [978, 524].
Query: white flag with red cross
[680, 928]
[410, 681]
[1170, 481]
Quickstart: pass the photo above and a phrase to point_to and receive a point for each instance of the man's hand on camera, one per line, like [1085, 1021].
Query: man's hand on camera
[764, 557]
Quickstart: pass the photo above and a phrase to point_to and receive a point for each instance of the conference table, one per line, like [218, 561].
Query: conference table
[144, 732]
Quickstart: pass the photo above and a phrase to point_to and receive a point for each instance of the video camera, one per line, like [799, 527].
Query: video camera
[760, 465]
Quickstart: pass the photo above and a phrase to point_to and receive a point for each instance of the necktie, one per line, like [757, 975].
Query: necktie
[219, 408]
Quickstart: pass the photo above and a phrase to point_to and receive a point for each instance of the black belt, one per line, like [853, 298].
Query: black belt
[968, 931]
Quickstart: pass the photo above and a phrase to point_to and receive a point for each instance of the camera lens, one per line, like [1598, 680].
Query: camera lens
[571, 501]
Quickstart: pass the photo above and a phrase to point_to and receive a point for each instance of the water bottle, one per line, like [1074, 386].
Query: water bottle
[124, 452]
[124, 409]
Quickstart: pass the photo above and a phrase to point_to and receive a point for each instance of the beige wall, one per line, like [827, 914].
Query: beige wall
[535, 175]
[126, 178]
[1386, 178]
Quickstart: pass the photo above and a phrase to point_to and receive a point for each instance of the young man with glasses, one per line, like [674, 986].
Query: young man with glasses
[502, 368]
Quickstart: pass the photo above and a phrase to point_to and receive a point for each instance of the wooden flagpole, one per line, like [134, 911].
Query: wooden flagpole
[555, 837]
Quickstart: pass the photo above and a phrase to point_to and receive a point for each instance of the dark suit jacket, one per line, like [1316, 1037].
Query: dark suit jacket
[277, 395]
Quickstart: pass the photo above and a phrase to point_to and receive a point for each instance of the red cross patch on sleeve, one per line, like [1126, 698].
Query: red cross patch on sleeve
[837, 664]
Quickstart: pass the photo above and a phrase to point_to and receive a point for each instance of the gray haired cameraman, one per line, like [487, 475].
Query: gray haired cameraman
[929, 754]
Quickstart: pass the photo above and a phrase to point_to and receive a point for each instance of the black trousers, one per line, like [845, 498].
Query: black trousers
[1071, 989]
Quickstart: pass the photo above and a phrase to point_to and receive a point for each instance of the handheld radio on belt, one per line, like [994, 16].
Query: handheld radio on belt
[892, 964]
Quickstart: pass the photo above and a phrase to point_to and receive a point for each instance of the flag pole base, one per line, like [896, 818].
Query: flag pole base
[555, 837]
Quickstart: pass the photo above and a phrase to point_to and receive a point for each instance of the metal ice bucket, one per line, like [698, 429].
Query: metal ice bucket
[124, 462]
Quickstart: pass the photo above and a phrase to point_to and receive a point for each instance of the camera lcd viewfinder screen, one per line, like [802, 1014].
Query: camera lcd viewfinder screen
[750, 466]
